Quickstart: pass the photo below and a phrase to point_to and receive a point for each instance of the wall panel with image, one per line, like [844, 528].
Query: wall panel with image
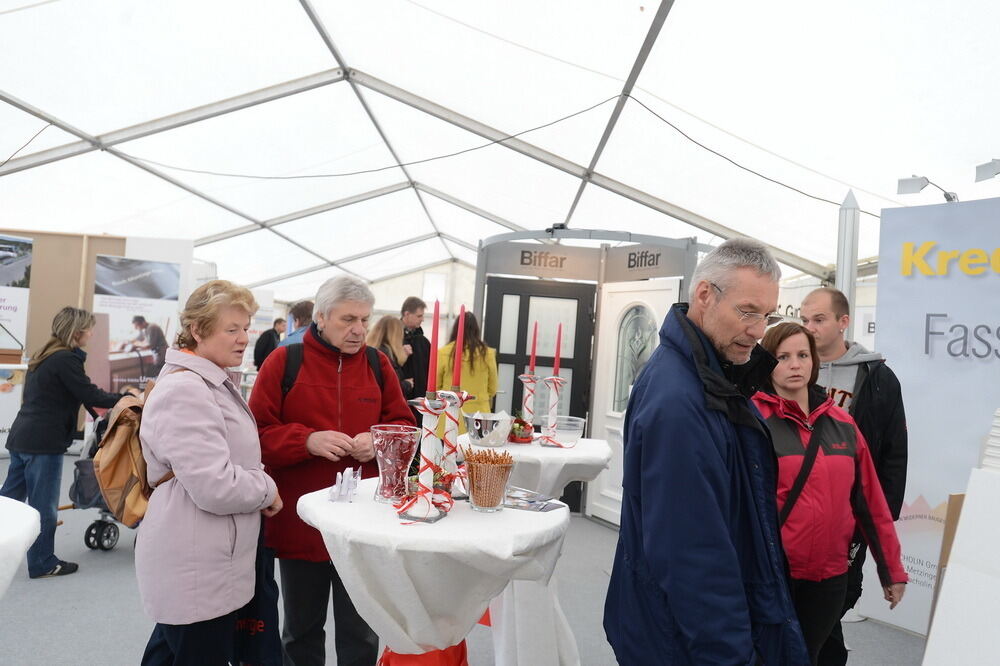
[140, 299]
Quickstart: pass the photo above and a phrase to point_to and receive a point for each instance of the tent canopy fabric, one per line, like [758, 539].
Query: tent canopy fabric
[293, 141]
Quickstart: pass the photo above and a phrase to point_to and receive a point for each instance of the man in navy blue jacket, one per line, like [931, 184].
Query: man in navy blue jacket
[699, 575]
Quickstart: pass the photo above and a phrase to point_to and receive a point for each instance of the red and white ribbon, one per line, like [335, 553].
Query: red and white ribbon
[453, 401]
[528, 399]
[428, 504]
[555, 385]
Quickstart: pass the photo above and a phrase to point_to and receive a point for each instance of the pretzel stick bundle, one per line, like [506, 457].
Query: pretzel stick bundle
[488, 472]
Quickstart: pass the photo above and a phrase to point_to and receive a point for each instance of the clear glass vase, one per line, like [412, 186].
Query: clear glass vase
[395, 446]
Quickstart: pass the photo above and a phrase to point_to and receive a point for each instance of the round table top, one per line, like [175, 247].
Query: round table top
[422, 586]
[597, 450]
[547, 469]
[366, 521]
[19, 527]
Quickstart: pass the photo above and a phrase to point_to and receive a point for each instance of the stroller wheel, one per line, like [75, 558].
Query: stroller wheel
[90, 537]
[108, 537]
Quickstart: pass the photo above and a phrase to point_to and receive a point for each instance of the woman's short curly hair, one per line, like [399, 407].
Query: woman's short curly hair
[204, 307]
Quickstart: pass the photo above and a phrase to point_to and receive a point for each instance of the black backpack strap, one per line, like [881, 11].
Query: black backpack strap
[293, 361]
[800, 481]
[375, 364]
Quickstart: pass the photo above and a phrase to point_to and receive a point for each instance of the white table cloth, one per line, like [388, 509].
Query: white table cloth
[529, 627]
[547, 469]
[19, 527]
[424, 587]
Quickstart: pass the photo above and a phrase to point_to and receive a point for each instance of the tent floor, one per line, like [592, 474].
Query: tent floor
[95, 616]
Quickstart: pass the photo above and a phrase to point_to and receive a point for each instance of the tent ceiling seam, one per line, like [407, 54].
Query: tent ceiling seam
[466, 206]
[453, 260]
[328, 40]
[308, 212]
[640, 61]
[176, 183]
[363, 255]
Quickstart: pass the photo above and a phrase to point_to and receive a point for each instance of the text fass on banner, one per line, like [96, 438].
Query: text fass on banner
[957, 339]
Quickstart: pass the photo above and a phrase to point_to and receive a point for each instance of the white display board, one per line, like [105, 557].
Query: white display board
[126, 288]
[939, 329]
[15, 279]
[964, 629]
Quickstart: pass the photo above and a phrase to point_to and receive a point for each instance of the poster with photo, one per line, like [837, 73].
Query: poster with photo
[140, 299]
[15, 281]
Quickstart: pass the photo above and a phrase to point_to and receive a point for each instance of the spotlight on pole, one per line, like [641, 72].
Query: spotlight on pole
[916, 183]
[988, 170]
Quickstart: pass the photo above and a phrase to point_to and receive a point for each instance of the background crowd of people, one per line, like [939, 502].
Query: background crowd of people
[761, 458]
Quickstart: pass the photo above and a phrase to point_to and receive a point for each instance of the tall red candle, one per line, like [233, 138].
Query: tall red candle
[534, 344]
[456, 375]
[555, 368]
[432, 365]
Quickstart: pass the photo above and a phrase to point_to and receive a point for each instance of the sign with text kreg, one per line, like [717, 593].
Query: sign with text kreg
[939, 328]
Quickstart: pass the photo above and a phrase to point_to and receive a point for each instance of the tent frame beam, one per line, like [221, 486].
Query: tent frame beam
[640, 62]
[455, 201]
[567, 166]
[328, 40]
[357, 78]
[358, 198]
[90, 143]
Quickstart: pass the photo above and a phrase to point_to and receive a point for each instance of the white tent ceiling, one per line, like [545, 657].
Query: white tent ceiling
[273, 133]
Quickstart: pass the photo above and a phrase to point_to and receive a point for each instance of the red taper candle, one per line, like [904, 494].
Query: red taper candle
[555, 368]
[432, 365]
[456, 375]
[534, 345]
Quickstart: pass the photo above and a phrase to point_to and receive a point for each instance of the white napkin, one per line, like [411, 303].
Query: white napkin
[346, 485]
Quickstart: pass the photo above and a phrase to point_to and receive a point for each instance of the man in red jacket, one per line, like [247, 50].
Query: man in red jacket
[321, 427]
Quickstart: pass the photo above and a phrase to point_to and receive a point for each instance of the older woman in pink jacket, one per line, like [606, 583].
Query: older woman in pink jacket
[196, 548]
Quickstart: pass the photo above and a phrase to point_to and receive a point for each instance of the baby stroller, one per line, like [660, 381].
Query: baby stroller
[86, 494]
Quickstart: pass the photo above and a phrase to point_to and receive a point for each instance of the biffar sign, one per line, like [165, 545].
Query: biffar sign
[546, 261]
[641, 262]
[542, 259]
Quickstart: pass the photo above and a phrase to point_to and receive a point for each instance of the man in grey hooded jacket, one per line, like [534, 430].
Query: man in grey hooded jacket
[860, 382]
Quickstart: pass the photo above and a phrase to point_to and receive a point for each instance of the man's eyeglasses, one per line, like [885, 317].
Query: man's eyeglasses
[754, 317]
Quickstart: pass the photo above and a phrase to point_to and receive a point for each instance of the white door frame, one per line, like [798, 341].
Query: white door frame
[604, 494]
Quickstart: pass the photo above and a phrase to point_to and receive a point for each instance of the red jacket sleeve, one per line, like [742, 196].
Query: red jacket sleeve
[873, 518]
[281, 444]
[394, 407]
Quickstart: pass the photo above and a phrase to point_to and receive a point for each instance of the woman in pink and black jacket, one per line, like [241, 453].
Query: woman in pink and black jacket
[827, 486]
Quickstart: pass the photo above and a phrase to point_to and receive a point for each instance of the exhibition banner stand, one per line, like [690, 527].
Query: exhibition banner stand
[939, 329]
[15, 282]
[140, 299]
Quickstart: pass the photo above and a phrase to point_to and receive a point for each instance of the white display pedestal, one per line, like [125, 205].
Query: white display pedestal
[963, 630]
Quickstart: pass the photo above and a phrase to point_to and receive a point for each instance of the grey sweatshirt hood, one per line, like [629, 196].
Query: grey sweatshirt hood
[838, 377]
[855, 355]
